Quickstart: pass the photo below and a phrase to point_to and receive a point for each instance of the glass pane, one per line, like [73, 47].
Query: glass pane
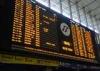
[55, 5]
[89, 22]
[83, 23]
[74, 13]
[65, 8]
[44, 2]
[95, 25]
[82, 17]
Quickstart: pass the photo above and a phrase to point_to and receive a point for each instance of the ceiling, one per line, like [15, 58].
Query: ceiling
[92, 7]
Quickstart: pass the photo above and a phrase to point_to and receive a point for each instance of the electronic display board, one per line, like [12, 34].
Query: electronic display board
[37, 28]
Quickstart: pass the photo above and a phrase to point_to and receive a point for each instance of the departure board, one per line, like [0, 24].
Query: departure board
[38, 28]
[82, 42]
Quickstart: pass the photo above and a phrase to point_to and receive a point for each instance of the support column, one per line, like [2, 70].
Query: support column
[85, 16]
[49, 3]
[61, 6]
[70, 9]
[78, 13]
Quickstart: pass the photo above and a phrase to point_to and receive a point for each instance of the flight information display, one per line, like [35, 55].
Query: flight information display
[37, 28]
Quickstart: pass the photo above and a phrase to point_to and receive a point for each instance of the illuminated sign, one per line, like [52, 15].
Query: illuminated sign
[41, 30]
[82, 42]
[65, 29]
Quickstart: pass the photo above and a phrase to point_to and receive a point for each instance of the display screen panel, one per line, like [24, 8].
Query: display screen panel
[40, 29]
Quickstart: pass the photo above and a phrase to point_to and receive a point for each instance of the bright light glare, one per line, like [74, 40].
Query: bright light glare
[43, 2]
[96, 31]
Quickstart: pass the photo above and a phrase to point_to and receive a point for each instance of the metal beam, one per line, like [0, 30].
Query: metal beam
[78, 13]
[76, 1]
[85, 16]
[89, 4]
[61, 6]
[97, 24]
[70, 8]
[49, 3]
[92, 21]
[98, 14]
[94, 9]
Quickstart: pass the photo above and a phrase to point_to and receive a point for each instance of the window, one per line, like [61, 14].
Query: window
[65, 9]
[74, 12]
[55, 5]
[44, 2]
[89, 22]
[82, 17]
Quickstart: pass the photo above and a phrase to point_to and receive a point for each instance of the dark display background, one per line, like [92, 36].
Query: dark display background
[48, 31]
